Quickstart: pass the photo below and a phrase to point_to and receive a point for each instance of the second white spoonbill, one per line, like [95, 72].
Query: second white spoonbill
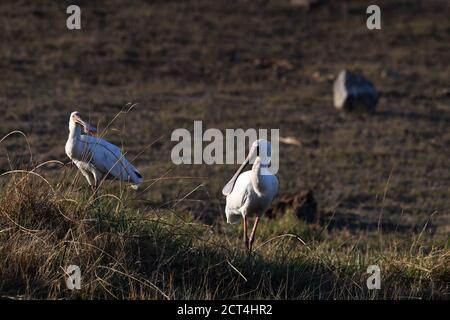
[251, 192]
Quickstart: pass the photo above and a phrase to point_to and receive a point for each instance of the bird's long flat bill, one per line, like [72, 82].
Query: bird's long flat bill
[87, 127]
[230, 185]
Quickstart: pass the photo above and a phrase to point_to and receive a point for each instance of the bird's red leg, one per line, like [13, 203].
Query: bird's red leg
[252, 235]
[245, 232]
[94, 186]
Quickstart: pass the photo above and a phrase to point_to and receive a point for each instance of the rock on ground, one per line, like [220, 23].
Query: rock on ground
[303, 205]
[353, 92]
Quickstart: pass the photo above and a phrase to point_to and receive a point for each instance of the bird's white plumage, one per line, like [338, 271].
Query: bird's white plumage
[97, 158]
[253, 190]
[244, 200]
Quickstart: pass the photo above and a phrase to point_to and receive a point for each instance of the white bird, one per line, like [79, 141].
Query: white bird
[97, 158]
[251, 192]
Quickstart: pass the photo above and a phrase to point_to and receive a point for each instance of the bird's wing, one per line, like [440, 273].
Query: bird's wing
[276, 187]
[237, 198]
[108, 159]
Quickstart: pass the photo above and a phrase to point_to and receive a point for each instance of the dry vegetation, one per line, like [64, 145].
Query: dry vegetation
[381, 181]
[129, 251]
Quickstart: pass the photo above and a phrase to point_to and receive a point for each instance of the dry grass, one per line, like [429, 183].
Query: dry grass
[130, 251]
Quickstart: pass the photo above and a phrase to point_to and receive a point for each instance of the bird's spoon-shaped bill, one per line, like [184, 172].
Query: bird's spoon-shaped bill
[230, 185]
[86, 126]
[90, 129]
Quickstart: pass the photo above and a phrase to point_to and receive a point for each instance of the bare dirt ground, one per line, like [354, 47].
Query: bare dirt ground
[243, 64]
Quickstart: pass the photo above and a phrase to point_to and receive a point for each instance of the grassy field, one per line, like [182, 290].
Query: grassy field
[127, 251]
[381, 181]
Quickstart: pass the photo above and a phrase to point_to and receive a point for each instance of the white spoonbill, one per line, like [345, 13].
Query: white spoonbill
[97, 158]
[251, 192]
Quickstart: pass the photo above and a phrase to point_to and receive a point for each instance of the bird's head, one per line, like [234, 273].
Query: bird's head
[76, 119]
[261, 150]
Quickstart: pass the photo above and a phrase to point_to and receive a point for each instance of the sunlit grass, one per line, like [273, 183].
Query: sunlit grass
[129, 251]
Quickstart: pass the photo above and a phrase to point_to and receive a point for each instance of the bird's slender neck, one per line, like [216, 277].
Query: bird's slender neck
[74, 130]
[257, 176]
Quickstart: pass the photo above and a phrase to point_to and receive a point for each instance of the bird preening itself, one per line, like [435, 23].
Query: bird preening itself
[96, 158]
[251, 192]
